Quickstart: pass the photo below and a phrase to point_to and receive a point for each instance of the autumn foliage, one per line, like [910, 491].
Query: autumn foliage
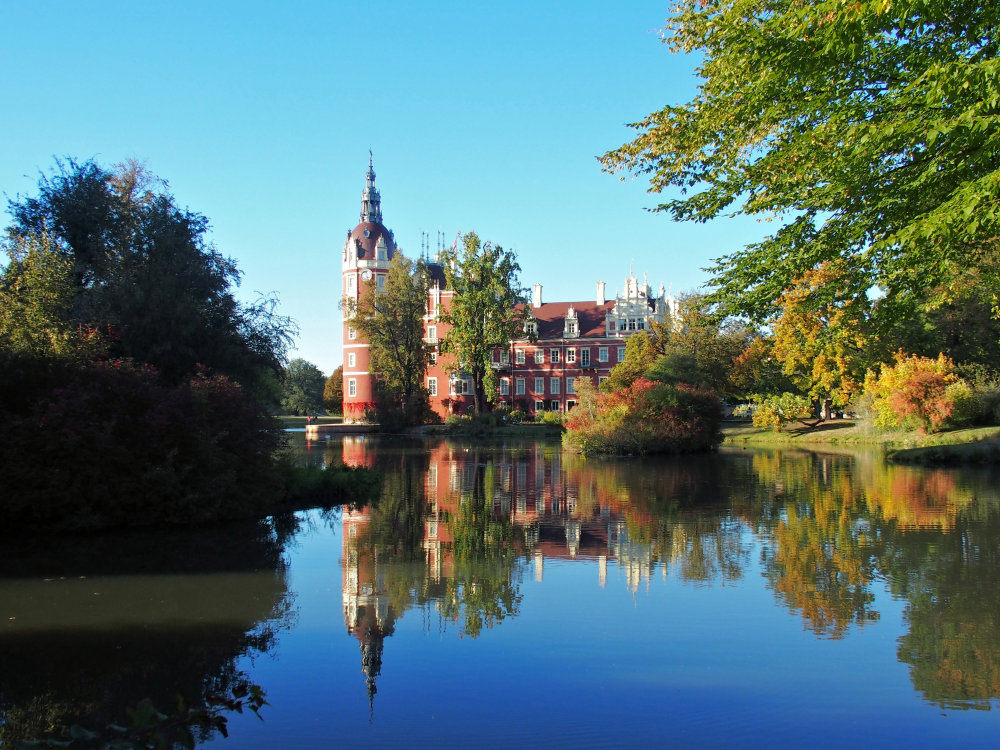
[644, 417]
[916, 392]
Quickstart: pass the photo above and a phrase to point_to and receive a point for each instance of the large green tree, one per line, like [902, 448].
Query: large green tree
[489, 310]
[391, 320]
[868, 131]
[333, 391]
[303, 388]
[698, 335]
[145, 275]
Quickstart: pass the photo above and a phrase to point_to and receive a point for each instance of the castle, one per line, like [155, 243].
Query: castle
[572, 340]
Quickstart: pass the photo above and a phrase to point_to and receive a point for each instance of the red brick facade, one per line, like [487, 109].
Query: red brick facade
[573, 340]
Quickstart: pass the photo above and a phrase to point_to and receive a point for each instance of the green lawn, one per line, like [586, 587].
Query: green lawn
[289, 422]
[847, 432]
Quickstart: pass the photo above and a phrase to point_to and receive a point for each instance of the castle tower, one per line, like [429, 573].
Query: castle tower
[367, 251]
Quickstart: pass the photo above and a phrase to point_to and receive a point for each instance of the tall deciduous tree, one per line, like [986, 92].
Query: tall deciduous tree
[303, 388]
[333, 391]
[822, 337]
[868, 130]
[489, 310]
[713, 343]
[147, 277]
[391, 319]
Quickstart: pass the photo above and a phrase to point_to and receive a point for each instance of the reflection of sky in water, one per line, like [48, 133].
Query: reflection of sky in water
[596, 657]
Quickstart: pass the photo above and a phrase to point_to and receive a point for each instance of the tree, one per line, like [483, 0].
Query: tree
[145, 275]
[915, 391]
[713, 342]
[640, 355]
[36, 302]
[822, 338]
[333, 391]
[391, 319]
[303, 388]
[489, 309]
[869, 131]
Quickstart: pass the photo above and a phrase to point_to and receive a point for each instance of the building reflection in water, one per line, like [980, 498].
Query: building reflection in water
[485, 517]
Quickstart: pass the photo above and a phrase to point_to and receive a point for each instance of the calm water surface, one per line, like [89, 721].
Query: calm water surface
[507, 595]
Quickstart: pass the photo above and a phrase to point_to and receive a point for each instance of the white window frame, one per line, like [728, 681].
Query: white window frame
[539, 356]
[570, 385]
[352, 333]
[539, 406]
[432, 386]
[602, 354]
[504, 386]
[585, 357]
[539, 385]
[519, 356]
[352, 387]
[350, 359]
[554, 356]
[519, 386]
[621, 353]
[554, 385]
[571, 356]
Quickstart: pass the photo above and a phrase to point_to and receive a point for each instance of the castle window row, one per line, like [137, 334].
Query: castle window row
[555, 356]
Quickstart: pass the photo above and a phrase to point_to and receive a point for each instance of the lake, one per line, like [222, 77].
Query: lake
[504, 594]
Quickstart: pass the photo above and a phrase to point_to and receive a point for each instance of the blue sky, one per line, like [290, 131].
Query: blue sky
[481, 116]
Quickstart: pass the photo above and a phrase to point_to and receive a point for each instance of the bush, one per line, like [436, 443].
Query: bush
[645, 417]
[918, 393]
[775, 411]
[116, 446]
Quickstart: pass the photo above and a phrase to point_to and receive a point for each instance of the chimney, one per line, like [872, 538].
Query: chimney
[536, 297]
[600, 293]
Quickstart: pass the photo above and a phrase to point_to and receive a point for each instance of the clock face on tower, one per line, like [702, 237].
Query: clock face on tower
[366, 275]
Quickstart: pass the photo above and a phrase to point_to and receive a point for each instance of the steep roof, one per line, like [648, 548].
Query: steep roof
[551, 318]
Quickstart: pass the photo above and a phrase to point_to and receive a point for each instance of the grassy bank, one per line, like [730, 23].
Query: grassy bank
[289, 422]
[976, 444]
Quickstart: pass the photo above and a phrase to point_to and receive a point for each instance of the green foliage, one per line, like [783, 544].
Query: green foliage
[312, 486]
[36, 302]
[774, 411]
[640, 354]
[644, 417]
[551, 418]
[488, 311]
[868, 131]
[119, 257]
[703, 344]
[333, 391]
[391, 320]
[114, 445]
[148, 728]
[303, 388]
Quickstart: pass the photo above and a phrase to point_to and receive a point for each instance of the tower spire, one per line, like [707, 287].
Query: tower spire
[371, 201]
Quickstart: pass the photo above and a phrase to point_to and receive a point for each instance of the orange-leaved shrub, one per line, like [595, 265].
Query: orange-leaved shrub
[644, 417]
[916, 392]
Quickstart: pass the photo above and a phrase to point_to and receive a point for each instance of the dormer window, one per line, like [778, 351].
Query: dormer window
[531, 327]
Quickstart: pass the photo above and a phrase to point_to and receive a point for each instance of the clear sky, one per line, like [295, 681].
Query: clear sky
[483, 117]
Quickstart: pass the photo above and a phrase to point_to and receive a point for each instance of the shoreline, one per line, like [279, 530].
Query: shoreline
[967, 445]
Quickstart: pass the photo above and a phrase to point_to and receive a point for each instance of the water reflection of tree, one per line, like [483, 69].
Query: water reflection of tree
[676, 507]
[818, 555]
[951, 582]
[486, 586]
[189, 605]
[834, 525]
